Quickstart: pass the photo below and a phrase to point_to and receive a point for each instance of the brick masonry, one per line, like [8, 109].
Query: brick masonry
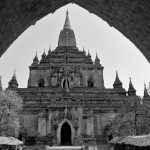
[131, 18]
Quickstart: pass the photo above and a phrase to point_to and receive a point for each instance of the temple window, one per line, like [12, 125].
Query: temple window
[110, 137]
[66, 84]
[41, 83]
[90, 82]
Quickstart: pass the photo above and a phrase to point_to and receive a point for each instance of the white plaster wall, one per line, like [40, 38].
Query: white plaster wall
[97, 76]
[49, 125]
[35, 76]
[90, 126]
[80, 112]
[42, 126]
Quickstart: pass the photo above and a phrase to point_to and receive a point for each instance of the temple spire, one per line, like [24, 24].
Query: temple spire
[67, 36]
[35, 60]
[36, 57]
[97, 61]
[67, 22]
[43, 57]
[89, 55]
[117, 83]
[131, 89]
[83, 49]
[14, 75]
[13, 82]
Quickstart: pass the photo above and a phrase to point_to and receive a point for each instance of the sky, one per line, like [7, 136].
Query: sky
[115, 51]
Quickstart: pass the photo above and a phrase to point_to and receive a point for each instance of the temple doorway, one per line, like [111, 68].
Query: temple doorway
[66, 134]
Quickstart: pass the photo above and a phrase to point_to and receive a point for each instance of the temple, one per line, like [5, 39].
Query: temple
[66, 102]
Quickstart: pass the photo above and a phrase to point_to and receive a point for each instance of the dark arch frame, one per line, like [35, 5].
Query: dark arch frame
[65, 134]
[131, 18]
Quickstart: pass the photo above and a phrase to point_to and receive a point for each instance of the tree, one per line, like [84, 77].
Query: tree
[10, 105]
[133, 118]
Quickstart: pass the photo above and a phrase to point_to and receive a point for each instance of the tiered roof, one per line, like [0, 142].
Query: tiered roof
[66, 52]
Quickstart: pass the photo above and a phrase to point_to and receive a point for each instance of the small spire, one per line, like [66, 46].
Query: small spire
[131, 89]
[44, 53]
[83, 49]
[35, 60]
[97, 61]
[13, 82]
[88, 53]
[117, 75]
[43, 57]
[14, 75]
[117, 82]
[49, 52]
[50, 48]
[130, 83]
[67, 22]
[36, 57]
[1, 83]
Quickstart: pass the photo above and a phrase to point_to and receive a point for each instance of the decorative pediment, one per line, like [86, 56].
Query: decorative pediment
[66, 114]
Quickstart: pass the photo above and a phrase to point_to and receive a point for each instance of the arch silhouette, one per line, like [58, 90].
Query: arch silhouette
[131, 18]
[65, 134]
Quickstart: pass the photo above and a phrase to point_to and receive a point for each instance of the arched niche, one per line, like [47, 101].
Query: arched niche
[60, 129]
[65, 134]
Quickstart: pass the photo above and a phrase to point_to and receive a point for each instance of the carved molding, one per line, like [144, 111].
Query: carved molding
[66, 114]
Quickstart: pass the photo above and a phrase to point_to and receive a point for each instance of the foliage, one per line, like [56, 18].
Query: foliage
[133, 118]
[10, 105]
[148, 89]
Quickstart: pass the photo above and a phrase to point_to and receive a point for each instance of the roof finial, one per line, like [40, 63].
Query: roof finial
[35, 58]
[97, 61]
[88, 53]
[130, 82]
[44, 54]
[117, 74]
[14, 73]
[13, 82]
[131, 89]
[67, 22]
[84, 50]
[117, 82]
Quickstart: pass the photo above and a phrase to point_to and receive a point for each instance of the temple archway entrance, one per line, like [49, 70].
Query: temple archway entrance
[66, 134]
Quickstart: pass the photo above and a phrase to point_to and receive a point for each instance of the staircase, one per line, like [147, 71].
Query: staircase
[64, 148]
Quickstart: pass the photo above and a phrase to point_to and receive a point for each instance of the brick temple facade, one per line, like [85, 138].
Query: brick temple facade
[66, 102]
